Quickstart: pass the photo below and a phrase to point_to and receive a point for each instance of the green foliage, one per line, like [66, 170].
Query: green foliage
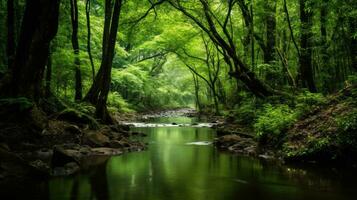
[314, 148]
[76, 116]
[348, 129]
[307, 102]
[245, 113]
[273, 120]
[118, 104]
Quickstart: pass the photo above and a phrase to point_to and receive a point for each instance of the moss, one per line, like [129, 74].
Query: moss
[75, 116]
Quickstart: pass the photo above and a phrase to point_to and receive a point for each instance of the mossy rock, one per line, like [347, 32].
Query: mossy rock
[75, 116]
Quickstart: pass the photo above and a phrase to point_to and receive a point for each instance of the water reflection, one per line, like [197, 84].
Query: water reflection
[171, 169]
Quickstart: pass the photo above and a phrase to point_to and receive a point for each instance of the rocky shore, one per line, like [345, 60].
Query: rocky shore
[37, 146]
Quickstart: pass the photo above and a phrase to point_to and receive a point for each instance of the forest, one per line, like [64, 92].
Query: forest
[274, 80]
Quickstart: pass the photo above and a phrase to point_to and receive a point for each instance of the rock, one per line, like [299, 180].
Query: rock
[96, 138]
[237, 144]
[173, 123]
[61, 157]
[78, 117]
[194, 124]
[266, 157]
[73, 129]
[230, 138]
[120, 127]
[44, 154]
[115, 144]
[67, 169]
[104, 151]
[124, 143]
[4, 146]
[41, 166]
[138, 134]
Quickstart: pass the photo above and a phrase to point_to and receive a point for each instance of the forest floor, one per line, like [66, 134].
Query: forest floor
[327, 134]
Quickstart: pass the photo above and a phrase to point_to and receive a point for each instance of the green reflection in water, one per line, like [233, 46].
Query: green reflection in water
[171, 169]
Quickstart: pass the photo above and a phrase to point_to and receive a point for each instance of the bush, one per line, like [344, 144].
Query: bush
[117, 103]
[348, 130]
[273, 120]
[246, 113]
[307, 101]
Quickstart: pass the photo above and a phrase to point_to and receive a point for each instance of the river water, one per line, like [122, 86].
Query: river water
[182, 164]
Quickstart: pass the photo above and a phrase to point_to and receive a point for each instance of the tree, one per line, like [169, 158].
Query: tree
[75, 45]
[89, 50]
[98, 93]
[269, 50]
[10, 32]
[306, 68]
[217, 30]
[39, 27]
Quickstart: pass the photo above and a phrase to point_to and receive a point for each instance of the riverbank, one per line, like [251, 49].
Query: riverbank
[325, 134]
[38, 144]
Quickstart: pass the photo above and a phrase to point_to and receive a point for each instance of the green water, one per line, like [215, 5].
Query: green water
[173, 170]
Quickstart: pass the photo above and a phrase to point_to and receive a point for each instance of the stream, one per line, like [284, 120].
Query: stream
[182, 164]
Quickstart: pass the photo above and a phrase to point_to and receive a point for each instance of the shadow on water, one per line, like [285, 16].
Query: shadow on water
[178, 167]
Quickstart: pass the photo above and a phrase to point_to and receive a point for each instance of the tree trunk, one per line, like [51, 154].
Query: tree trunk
[353, 44]
[197, 88]
[88, 7]
[306, 68]
[98, 94]
[269, 51]
[75, 45]
[10, 33]
[39, 27]
[48, 76]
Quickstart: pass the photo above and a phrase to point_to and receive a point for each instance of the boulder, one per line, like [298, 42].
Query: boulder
[73, 129]
[104, 151]
[67, 169]
[96, 138]
[75, 116]
[61, 157]
[115, 144]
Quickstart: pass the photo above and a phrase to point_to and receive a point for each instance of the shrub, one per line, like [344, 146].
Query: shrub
[246, 113]
[307, 101]
[347, 125]
[117, 103]
[273, 120]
